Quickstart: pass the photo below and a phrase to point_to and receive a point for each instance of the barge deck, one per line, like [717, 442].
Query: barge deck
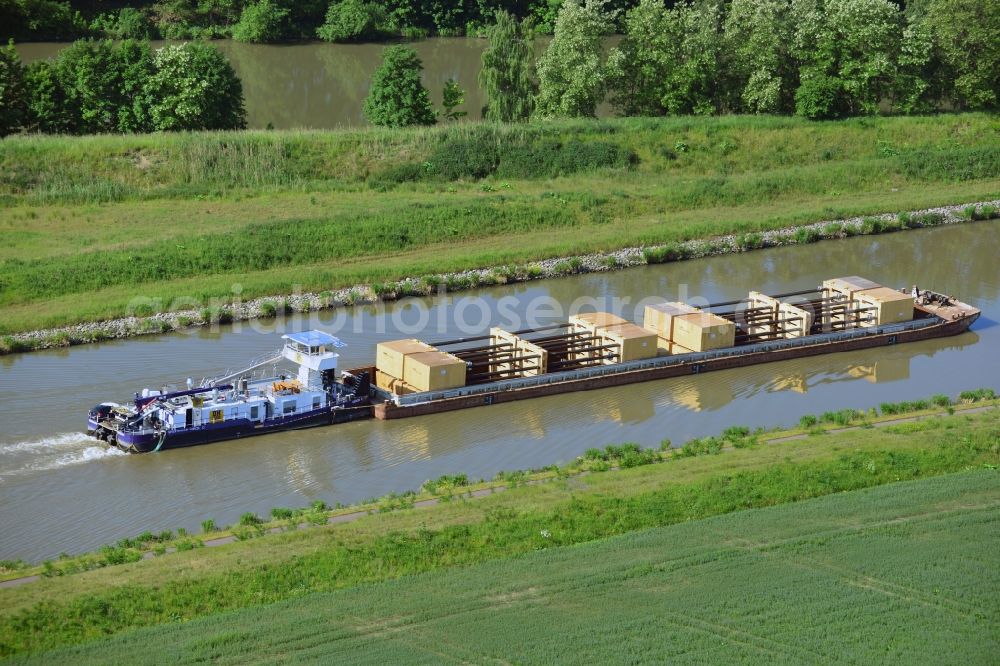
[934, 321]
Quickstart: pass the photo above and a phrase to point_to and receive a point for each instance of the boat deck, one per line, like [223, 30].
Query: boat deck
[933, 320]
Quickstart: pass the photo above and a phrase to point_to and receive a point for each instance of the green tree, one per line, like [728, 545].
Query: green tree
[262, 22]
[571, 76]
[353, 20]
[507, 73]
[194, 87]
[759, 36]
[136, 62]
[543, 15]
[669, 61]
[641, 63]
[452, 97]
[397, 97]
[47, 109]
[848, 52]
[13, 93]
[967, 35]
[916, 87]
[90, 73]
[695, 83]
[37, 20]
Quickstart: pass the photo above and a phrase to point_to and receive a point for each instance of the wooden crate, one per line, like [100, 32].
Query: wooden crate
[848, 286]
[659, 317]
[797, 322]
[891, 306]
[591, 321]
[665, 347]
[633, 342]
[389, 356]
[433, 371]
[703, 331]
[527, 368]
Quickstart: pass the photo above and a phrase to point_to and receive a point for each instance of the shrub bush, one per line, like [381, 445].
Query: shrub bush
[941, 400]
[977, 395]
[250, 519]
[263, 21]
[806, 235]
[484, 153]
[352, 20]
[751, 241]
[871, 225]
[821, 97]
[664, 253]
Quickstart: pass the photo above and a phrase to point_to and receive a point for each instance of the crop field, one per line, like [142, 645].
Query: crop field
[905, 573]
[89, 223]
[78, 608]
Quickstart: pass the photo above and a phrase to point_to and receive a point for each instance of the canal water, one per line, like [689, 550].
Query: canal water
[320, 86]
[63, 493]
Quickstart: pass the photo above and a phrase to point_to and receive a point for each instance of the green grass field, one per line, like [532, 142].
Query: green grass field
[905, 573]
[92, 222]
[75, 609]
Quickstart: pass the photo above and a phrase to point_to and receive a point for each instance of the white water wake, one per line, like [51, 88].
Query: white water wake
[61, 442]
[50, 453]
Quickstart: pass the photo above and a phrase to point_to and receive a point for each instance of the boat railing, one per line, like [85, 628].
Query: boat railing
[266, 359]
[658, 362]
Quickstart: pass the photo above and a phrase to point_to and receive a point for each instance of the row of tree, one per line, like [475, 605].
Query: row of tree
[262, 20]
[816, 58]
[102, 86]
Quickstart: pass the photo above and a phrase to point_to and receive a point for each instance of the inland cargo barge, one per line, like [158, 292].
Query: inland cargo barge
[590, 351]
[600, 350]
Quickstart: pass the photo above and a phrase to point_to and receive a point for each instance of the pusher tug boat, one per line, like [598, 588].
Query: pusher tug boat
[241, 404]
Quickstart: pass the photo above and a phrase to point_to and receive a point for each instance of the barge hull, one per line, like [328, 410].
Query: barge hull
[947, 328]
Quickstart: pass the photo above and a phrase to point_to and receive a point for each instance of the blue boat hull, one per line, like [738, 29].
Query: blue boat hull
[235, 429]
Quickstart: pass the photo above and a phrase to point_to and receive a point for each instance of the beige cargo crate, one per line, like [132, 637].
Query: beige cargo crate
[848, 286]
[703, 331]
[433, 371]
[594, 320]
[389, 355]
[659, 317]
[665, 347]
[891, 306]
[633, 342]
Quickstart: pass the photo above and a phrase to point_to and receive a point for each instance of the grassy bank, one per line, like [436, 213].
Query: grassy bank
[902, 573]
[93, 222]
[568, 510]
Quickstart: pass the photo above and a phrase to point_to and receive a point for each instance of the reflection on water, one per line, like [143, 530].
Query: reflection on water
[56, 498]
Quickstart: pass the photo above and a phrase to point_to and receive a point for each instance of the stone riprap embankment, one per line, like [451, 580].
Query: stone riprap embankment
[451, 282]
